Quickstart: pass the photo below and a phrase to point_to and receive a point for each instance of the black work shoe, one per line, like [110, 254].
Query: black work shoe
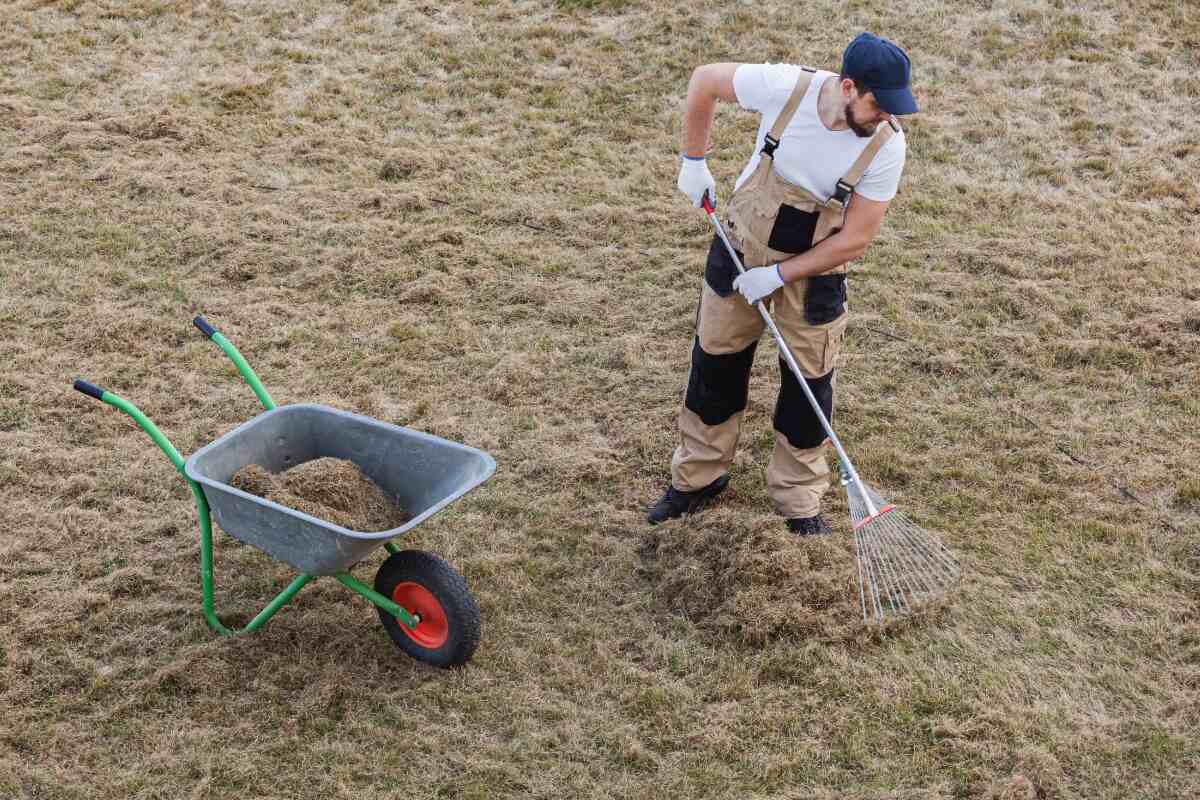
[675, 503]
[809, 526]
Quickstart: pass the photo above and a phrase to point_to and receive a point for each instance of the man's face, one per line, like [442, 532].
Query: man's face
[863, 115]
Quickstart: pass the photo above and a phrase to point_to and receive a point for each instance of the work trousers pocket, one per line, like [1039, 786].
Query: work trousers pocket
[793, 230]
[719, 269]
[824, 298]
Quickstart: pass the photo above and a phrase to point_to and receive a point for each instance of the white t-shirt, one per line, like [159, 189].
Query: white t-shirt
[809, 154]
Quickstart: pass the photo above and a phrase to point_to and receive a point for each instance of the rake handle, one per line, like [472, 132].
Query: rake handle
[847, 466]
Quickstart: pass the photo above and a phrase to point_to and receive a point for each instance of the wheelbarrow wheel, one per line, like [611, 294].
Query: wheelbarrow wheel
[427, 587]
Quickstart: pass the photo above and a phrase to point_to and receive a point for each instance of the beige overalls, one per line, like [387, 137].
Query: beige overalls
[769, 221]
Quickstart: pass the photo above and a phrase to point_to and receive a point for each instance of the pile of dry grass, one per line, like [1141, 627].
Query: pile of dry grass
[753, 580]
[331, 489]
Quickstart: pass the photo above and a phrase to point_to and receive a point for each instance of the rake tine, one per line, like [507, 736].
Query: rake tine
[935, 552]
[876, 529]
[896, 599]
[921, 566]
[895, 585]
[943, 574]
[913, 573]
[878, 586]
[927, 578]
[887, 602]
[876, 602]
[865, 562]
[862, 595]
[868, 556]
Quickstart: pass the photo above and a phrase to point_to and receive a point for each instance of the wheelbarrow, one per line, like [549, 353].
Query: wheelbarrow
[424, 605]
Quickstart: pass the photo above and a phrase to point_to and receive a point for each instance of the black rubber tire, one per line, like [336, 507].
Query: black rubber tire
[437, 577]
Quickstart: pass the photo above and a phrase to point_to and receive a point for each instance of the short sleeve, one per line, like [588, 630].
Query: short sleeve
[882, 178]
[764, 87]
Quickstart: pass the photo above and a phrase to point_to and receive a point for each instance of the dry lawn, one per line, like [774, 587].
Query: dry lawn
[461, 217]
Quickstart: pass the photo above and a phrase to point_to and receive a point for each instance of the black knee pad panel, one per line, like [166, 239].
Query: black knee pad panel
[794, 416]
[718, 385]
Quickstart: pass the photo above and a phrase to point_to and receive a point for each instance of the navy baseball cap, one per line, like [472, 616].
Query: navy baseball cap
[883, 68]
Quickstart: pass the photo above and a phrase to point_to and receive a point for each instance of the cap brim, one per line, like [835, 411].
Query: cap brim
[895, 101]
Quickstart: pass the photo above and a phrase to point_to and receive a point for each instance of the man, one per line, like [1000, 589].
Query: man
[827, 162]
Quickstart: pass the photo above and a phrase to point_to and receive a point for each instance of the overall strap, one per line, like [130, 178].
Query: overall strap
[771, 140]
[846, 184]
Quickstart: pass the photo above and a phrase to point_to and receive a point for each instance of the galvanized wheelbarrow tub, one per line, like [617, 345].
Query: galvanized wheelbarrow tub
[424, 473]
[423, 604]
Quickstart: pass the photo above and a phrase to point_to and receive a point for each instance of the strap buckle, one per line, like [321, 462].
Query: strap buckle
[842, 192]
[769, 145]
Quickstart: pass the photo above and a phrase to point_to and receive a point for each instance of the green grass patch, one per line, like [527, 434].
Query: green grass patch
[1187, 495]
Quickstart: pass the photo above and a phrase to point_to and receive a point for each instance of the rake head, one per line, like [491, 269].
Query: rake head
[900, 565]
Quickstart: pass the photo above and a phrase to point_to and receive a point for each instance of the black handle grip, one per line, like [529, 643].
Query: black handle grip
[205, 328]
[89, 389]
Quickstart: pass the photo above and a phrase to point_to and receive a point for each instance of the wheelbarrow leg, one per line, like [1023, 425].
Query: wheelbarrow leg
[207, 581]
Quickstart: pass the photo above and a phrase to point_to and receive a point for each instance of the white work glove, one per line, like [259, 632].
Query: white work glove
[758, 282]
[695, 180]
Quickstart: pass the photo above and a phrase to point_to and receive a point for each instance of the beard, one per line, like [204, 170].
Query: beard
[860, 130]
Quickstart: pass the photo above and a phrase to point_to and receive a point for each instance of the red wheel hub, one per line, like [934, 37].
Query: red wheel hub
[433, 630]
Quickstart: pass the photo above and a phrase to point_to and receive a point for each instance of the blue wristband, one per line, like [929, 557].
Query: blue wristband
[693, 158]
[779, 272]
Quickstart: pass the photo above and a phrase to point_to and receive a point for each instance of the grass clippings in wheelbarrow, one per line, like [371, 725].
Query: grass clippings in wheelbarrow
[331, 489]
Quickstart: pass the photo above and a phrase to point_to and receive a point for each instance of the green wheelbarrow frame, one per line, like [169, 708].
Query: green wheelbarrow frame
[387, 606]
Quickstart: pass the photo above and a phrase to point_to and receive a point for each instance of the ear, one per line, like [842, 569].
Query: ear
[847, 88]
